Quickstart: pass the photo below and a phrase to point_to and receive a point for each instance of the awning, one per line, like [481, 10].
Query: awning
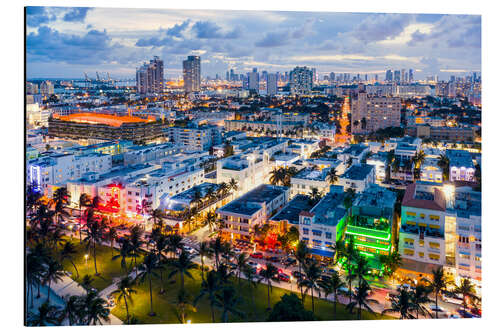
[323, 253]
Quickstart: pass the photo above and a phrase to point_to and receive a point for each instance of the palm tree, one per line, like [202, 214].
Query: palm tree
[111, 236]
[333, 285]
[197, 197]
[278, 176]
[439, 283]
[210, 220]
[182, 266]
[60, 199]
[217, 247]
[314, 195]
[34, 273]
[209, 288]
[72, 309]
[47, 315]
[94, 236]
[252, 280]
[136, 242]
[300, 255]
[312, 277]
[467, 290]
[332, 176]
[96, 309]
[391, 263]
[83, 201]
[86, 283]
[268, 274]
[419, 159]
[183, 303]
[444, 164]
[53, 273]
[32, 197]
[147, 270]
[228, 301]
[157, 217]
[233, 185]
[174, 243]
[402, 304]
[204, 252]
[419, 298]
[67, 253]
[361, 299]
[361, 270]
[124, 253]
[124, 291]
[160, 246]
[241, 263]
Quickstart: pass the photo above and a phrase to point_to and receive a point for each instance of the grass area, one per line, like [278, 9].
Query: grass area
[108, 269]
[165, 309]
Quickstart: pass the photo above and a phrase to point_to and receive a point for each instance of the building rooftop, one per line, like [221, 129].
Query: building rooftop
[376, 196]
[358, 172]
[330, 210]
[415, 197]
[460, 158]
[101, 118]
[292, 210]
[354, 150]
[252, 201]
[311, 174]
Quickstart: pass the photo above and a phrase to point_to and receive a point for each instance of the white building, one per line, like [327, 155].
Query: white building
[149, 153]
[195, 137]
[461, 165]
[357, 177]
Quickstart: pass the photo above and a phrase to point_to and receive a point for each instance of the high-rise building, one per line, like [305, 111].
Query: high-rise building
[149, 77]
[272, 84]
[410, 75]
[46, 88]
[397, 76]
[253, 80]
[301, 81]
[388, 75]
[370, 113]
[192, 73]
[403, 74]
[332, 77]
[31, 88]
[315, 76]
[232, 77]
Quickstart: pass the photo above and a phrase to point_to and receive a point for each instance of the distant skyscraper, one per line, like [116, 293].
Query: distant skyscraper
[315, 77]
[410, 75]
[388, 75]
[253, 80]
[332, 77]
[46, 88]
[272, 84]
[149, 77]
[403, 73]
[397, 76]
[376, 77]
[232, 77]
[31, 88]
[301, 81]
[192, 73]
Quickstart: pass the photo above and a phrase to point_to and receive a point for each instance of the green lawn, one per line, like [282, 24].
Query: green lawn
[107, 268]
[164, 305]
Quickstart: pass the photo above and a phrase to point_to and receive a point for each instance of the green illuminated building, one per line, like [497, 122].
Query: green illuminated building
[371, 223]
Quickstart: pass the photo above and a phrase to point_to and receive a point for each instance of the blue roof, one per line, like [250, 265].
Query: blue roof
[323, 253]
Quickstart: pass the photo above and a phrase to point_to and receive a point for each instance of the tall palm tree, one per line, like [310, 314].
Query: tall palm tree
[278, 176]
[34, 273]
[94, 236]
[467, 290]
[419, 298]
[160, 247]
[53, 273]
[60, 199]
[183, 266]
[361, 270]
[33, 197]
[204, 252]
[227, 301]
[315, 195]
[72, 309]
[419, 159]
[333, 286]
[361, 300]
[233, 185]
[252, 280]
[209, 288]
[111, 235]
[439, 283]
[83, 201]
[210, 220]
[444, 164]
[217, 247]
[312, 277]
[332, 176]
[300, 254]
[86, 283]
[68, 252]
[147, 271]
[136, 242]
[183, 304]
[157, 216]
[241, 263]
[401, 304]
[124, 291]
[96, 309]
[47, 315]
[124, 253]
[175, 243]
[268, 274]
[351, 255]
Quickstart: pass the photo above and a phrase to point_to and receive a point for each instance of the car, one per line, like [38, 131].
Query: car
[253, 264]
[452, 300]
[465, 314]
[284, 277]
[434, 308]
[289, 261]
[454, 316]
[257, 255]
[189, 249]
[274, 259]
[298, 275]
[236, 251]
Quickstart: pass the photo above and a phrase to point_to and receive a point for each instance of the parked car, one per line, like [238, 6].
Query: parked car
[257, 255]
[189, 249]
[298, 275]
[434, 308]
[284, 277]
[452, 299]
[465, 314]
[289, 261]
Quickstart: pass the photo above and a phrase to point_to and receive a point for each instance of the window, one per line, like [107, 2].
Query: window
[317, 233]
[328, 235]
[305, 231]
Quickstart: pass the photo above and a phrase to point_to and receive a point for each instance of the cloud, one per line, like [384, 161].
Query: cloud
[381, 26]
[210, 30]
[176, 30]
[94, 47]
[76, 14]
[36, 16]
[284, 37]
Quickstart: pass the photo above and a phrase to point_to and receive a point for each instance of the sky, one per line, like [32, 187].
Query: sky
[65, 42]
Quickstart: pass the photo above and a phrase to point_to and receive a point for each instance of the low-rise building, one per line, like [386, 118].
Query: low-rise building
[195, 137]
[241, 215]
[358, 177]
[461, 166]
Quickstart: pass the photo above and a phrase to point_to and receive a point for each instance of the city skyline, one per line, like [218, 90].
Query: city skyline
[66, 42]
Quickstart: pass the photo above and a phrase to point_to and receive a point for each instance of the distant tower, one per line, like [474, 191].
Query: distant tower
[192, 73]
